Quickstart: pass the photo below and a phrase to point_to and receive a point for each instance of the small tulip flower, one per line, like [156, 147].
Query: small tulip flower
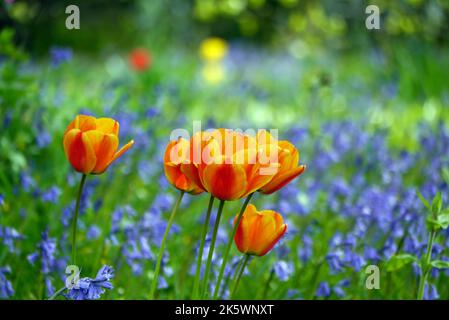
[91, 144]
[258, 231]
[176, 153]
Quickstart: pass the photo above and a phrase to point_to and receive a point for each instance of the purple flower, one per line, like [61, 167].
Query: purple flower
[60, 55]
[6, 290]
[51, 195]
[430, 292]
[323, 290]
[283, 270]
[92, 289]
[93, 232]
[9, 236]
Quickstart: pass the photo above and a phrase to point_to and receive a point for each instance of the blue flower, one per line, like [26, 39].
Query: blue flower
[93, 232]
[9, 236]
[283, 270]
[323, 290]
[60, 55]
[2, 199]
[6, 290]
[430, 292]
[92, 289]
[51, 195]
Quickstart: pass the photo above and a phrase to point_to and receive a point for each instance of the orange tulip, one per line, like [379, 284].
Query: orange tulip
[176, 153]
[258, 231]
[289, 169]
[91, 144]
[232, 170]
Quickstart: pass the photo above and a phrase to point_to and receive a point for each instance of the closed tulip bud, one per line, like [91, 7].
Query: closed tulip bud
[91, 144]
[177, 153]
[258, 231]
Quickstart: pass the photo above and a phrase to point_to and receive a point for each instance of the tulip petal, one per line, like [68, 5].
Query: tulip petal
[190, 170]
[123, 149]
[105, 152]
[82, 122]
[282, 179]
[242, 236]
[225, 181]
[278, 236]
[108, 126]
[79, 151]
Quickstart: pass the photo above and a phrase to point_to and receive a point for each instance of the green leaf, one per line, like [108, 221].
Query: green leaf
[437, 204]
[446, 175]
[399, 261]
[440, 264]
[423, 200]
[441, 222]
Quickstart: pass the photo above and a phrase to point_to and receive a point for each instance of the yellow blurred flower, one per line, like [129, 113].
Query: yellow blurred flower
[213, 49]
[213, 73]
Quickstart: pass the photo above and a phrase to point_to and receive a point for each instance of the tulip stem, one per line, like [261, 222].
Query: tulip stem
[75, 217]
[162, 247]
[236, 285]
[426, 266]
[211, 249]
[228, 248]
[196, 283]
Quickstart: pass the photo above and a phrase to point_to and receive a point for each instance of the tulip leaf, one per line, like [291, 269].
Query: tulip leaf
[440, 264]
[399, 261]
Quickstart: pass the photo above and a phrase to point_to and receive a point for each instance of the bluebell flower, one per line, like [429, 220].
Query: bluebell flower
[2, 199]
[93, 232]
[60, 55]
[6, 289]
[338, 289]
[283, 270]
[46, 252]
[26, 181]
[323, 290]
[9, 236]
[430, 292]
[92, 289]
[51, 195]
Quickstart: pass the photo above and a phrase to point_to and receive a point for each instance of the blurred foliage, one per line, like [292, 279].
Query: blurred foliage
[303, 24]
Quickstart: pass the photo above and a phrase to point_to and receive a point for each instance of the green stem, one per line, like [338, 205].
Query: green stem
[236, 285]
[57, 293]
[425, 269]
[75, 217]
[211, 249]
[196, 283]
[228, 248]
[162, 247]
[267, 284]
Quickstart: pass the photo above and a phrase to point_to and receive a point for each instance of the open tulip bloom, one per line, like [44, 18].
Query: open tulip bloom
[90, 145]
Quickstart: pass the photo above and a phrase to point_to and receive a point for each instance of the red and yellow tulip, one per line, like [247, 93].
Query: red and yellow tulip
[91, 144]
[258, 231]
[228, 168]
[176, 154]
